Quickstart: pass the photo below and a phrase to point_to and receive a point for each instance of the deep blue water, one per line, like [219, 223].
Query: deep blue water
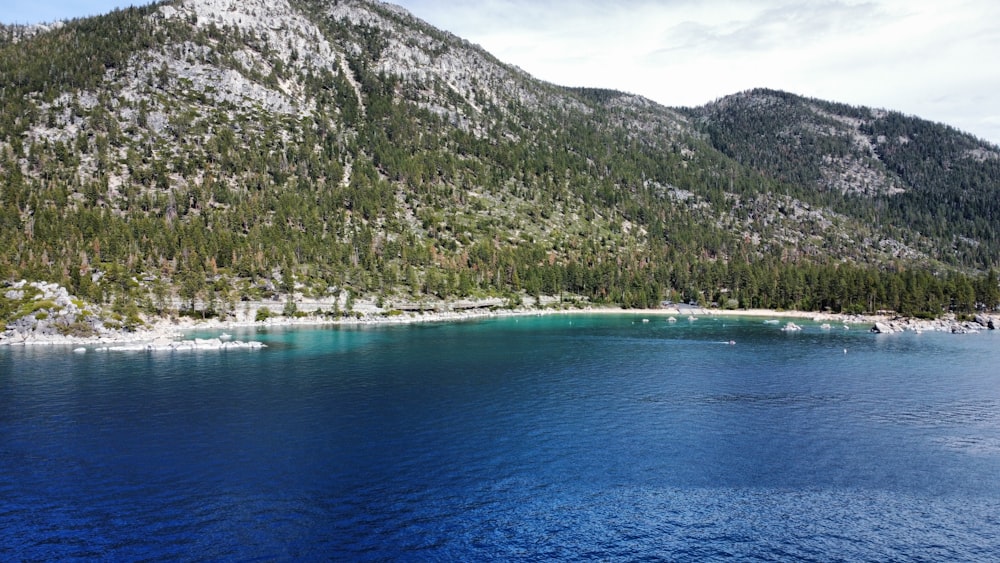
[536, 438]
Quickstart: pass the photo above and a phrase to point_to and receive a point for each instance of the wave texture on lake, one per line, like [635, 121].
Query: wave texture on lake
[558, 437]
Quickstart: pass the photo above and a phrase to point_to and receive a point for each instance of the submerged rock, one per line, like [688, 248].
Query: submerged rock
[882, 328]
[166, 345]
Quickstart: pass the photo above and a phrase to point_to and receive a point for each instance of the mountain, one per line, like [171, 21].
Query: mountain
[214, 151]
[913, 174]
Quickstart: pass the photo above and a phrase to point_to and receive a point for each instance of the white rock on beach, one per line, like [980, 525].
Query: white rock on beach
[165, 345]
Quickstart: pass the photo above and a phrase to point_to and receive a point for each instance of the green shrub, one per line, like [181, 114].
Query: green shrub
[263, 314]
[78, 329]
[7, 307]
[32, 306]
[133, 321]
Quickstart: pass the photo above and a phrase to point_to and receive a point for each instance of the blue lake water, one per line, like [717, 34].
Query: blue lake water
[532, 438]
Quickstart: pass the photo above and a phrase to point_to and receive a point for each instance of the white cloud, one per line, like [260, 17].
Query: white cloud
[930, 59]
[923, 57]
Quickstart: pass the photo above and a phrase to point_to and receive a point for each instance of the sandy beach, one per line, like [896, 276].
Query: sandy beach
[172, 333]
[161, 332]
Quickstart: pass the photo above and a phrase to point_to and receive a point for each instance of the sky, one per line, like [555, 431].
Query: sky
[936, 60]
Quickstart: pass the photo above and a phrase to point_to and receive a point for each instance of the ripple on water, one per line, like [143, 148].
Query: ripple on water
[524, 439]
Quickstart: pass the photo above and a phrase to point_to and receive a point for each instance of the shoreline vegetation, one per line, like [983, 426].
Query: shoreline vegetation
[154, 164]
[54, 318]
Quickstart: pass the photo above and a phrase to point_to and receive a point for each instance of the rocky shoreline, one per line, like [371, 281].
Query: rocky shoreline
[49, 316]
[167, 345]
[980, 323]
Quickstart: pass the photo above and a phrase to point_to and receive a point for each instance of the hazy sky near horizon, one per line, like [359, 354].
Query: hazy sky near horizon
[936, 60]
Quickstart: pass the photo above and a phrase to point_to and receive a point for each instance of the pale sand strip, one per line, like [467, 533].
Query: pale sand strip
[162, 331]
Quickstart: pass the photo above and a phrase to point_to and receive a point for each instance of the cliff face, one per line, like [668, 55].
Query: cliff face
[321, 145]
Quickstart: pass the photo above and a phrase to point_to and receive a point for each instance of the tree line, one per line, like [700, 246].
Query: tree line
[391, 198]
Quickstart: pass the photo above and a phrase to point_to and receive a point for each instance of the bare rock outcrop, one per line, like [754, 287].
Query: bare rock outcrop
[987, 321]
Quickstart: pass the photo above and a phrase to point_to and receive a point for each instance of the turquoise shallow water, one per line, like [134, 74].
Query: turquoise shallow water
[567, 437]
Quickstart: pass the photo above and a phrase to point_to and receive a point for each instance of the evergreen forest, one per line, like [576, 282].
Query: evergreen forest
[178, 156]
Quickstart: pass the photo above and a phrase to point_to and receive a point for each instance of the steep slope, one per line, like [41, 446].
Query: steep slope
[874, 165]
[194, 146]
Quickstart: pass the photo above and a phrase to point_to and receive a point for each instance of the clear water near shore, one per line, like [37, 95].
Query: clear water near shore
[568, 437]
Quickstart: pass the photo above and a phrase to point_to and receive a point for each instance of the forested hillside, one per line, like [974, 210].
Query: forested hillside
[906, 173]
[217, 151]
